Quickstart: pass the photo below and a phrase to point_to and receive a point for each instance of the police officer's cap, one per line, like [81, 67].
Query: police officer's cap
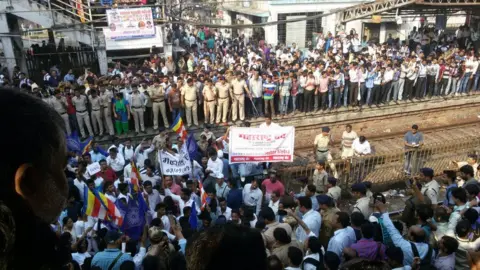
[359, 187]
[325, 129]
[427, 172]
[324, 199]
[332, 180]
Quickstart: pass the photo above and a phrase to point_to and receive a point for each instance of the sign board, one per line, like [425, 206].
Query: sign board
[376, 19]
[249, 145]
[142, 43]
[130, 23]
[296, 31]
[175, 164]
[93, 168]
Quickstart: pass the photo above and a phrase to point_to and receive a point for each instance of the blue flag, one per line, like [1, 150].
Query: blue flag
[192, 148]
[133, 215]
[75, 145]
[193, 217]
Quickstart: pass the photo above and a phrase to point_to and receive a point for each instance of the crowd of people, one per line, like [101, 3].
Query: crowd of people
[256, 224]
[222, 80]
[213, 219]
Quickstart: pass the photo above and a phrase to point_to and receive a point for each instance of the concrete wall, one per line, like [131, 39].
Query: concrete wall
[271, 33]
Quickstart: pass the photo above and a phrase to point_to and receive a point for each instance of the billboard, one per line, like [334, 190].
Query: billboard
[141, 43]
[130, 23]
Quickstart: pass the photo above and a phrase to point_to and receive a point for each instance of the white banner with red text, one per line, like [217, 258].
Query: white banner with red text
[249, 145]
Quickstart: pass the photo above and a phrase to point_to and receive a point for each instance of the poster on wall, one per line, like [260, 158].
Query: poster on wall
[130, 23]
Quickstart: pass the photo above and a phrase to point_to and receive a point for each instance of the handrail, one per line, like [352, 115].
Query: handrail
[388, 168]
[67, 7]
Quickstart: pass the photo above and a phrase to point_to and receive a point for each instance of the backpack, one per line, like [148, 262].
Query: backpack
[312, 261]
[425, 263]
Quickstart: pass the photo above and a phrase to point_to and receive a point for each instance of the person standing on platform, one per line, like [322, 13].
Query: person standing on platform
[268, 94]
[157, 95]
[121, 110]
[106, 97]
[210, 100]
[137, 107]
[223, 94]
[189, 102]
[96, 103]
[321, 149]
[239, 87]
[80, 103]
[59, 103]
[174, 101]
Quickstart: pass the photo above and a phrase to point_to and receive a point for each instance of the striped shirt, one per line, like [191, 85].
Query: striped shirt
[268, 90]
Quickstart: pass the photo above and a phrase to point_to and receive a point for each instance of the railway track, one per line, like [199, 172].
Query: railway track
[387, 143]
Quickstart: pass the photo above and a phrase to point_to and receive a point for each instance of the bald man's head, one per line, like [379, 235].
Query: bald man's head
[416, 234]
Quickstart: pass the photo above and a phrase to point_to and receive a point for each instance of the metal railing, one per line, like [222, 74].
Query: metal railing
[385, 170]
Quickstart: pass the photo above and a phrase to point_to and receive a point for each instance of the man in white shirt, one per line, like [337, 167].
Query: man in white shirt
[115, 160]
[268, 123]
[127, 150]
[274, 201]
[224, 210]
[214, 168]
[312, 219]
[431, 188]
[333, 190]
[149, 175]
[361, 147]
[141, 153]
[252, 196]
[359, 191]
[152, 194]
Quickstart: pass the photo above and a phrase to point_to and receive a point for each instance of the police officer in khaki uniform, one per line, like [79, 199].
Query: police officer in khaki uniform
[210, 100]
[80, 104]
[106, 99]
[223, 100]
[137, 106]
[59, 103]
[96, 103]
[157, 94]
[238, 97]
[189, 102]
[321, 150]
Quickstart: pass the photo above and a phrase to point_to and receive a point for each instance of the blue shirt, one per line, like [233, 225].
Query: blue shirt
[234, 198]
[341, 239]
[403, 244]
[96, 157]
[69, 78]
[313, 220]
[448, 196]
[105, 258]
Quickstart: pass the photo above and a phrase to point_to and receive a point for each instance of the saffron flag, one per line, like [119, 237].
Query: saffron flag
[203, 196]
[135, 177]
[179, 128]
[99, 206]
